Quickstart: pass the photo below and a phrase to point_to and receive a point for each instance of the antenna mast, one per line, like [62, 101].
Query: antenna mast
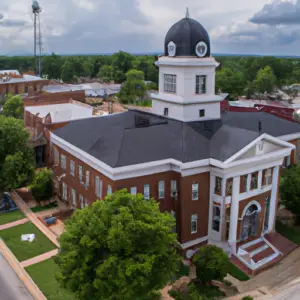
[36, 9]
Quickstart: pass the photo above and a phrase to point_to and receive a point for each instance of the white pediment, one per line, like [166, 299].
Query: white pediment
[261, 146]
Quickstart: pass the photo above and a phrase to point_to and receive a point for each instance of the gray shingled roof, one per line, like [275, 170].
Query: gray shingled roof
[117, 141]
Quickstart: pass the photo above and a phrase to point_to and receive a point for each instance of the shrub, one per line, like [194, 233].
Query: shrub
[212, 263]
[247, 298]
[41, 187]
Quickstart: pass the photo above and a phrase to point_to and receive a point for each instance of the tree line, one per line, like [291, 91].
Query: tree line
[236, 75]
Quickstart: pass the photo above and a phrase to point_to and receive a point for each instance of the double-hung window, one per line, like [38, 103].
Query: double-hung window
[65, 191]
[161, 189]
[98, 186]
[56, 157]
[63, 162]
[194, 223]
[146, 191]
[109, 190]
[80, 171]
[73, 198]
[268, 177]
[216, 218]
[173, 188]
[200, 84]
[72, 168]
[81, 199]
[195, 191]
[87, 178]
[169, 83]
[133, 191]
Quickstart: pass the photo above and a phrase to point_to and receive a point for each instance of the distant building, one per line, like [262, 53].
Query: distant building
[41, 119]
[94, 89]
[13, 82]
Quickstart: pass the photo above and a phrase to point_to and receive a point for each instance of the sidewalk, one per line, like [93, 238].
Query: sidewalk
[287, 270]
[38, 258]
[13, 224]
[33, 218]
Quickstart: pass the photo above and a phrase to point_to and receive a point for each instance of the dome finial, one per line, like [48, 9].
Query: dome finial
[187, 15]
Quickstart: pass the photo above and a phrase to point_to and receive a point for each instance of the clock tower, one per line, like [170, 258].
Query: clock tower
[187, 75]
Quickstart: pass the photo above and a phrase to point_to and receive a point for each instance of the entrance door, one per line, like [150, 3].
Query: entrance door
[250, 223]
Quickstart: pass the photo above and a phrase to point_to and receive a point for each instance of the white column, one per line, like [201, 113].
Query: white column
[273, 200]
[211, 200]
[234, 213]
[259, 179]
[223, 207]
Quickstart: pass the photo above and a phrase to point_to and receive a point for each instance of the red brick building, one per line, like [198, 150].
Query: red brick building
[12, 82]
[217, 173]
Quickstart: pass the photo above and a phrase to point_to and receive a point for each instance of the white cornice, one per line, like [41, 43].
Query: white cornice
[187, 62]
[290, 137]
[186, 169]
[185, 101]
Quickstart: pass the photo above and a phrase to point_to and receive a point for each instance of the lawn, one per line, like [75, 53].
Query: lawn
[43, 208]
[11, 216]
[26, 250]
[43, 274]
[237, 273]
[290, 233]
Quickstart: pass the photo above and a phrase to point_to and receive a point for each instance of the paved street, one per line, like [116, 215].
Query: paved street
[291, 292]
[11, 287]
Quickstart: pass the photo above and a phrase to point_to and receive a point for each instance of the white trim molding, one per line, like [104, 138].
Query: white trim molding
[227, 169]
[193, 242]
[253, 202]
[289, 137]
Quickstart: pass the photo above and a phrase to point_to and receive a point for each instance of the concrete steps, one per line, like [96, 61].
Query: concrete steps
[257, 253]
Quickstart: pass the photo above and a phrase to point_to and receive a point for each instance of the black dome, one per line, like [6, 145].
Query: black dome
[186, 34]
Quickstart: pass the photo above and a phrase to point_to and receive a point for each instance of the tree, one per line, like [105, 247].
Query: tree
[14, 107]
[52, 66]
[290, 190]
[212, 263]
[16, 158]
[230, 82]
[18, 169]
[41, 187]
[120, 248]
[134, 87]
[106, 73]
[265, 80]
[68, 71]
[122, 62]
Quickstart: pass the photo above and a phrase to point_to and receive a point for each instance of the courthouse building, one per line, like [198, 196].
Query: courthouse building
[217, 173]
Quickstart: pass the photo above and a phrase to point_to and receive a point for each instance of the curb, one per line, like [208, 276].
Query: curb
[20, 271]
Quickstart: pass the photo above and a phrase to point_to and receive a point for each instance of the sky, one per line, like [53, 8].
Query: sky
[264, 27]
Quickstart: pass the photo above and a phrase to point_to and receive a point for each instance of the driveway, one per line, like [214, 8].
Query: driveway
[11, 286]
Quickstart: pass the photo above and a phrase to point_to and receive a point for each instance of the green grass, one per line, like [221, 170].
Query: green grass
[26, 250]
[237, 273]
[43, 208]
[288, 232]
[9, 217]
[43, 274]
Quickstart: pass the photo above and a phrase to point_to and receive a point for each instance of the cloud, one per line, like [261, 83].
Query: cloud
[101, 26]
[12, 23]
[278, 12]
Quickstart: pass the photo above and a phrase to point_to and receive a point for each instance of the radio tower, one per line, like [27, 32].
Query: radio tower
[36, 9]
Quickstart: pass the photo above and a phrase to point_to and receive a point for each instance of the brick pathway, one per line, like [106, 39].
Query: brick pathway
[39, 258]
[13, 224]
[33, 218]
